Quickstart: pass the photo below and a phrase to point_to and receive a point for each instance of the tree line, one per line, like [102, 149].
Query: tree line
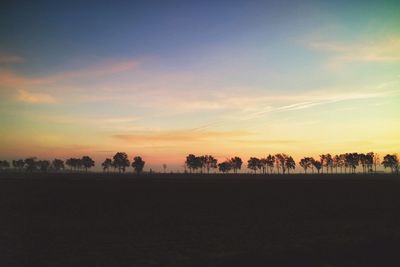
[279, 163]
[119, 162]
[283, 163]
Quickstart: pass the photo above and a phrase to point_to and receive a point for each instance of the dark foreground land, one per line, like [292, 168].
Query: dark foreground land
[167, 220]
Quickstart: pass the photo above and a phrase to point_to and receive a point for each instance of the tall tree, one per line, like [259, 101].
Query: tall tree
[225, 166]
[263, 165]
[337, 162]
[57, 164]
[191, 162]
[352, 160]
[210, 162]
[121, 161]
[253, 164]
[328, 162]
[4, 164]
[18, 164]
[369, 159]
[87, 162]
[31, 164]
[270, 162]
[317, 164]
[138, 164]
[392, 162]
[363, 161]
[322, 160]
[377, 161]
[236, 164]
[290, 164]
[43, 165]
[305, 163]
[280, 162]
[69, 163]
[107, 164]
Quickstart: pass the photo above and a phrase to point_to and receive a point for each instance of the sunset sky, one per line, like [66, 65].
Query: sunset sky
[164, 79]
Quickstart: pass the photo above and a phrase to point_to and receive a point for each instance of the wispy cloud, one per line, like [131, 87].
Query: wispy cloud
[179, 136]
[13, 79]
[32, 88]
[381, 51]
[315, 98]
[35, 97]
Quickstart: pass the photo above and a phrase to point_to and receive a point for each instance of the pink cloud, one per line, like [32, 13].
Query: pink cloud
[35, 98]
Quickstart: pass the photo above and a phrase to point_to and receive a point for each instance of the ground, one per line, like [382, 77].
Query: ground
[199, 220]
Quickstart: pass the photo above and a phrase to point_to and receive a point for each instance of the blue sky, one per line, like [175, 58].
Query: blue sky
[150, 77]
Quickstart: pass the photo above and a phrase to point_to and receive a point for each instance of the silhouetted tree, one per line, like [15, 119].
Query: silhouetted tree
[138, 164]
[193, 162]
[263, 165]
[210, 162]
[305, 163]
[4, 164]
[107, 164]
[74, 163]
[338, 163]
[201, 161]
[253, 164]
[352, 160]
[79, 164]
[121, 161]
[225, 166]
[43, 165]
[236, 164]
[392, 162]
[317, 164]
[280, 160]
[57, 164]
[18, 164]
[327, 162]
[69, 163]
[87, 162]
[31, 164]
[369, 160]
[290, 164]
[363, 161]
[377, 161]
[270, 162]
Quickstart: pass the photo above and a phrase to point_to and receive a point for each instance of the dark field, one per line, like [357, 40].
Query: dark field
[215, 220]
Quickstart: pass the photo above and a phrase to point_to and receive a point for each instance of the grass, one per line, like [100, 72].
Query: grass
[199, 220]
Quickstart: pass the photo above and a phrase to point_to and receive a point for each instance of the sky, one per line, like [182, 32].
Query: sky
[162, 79]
